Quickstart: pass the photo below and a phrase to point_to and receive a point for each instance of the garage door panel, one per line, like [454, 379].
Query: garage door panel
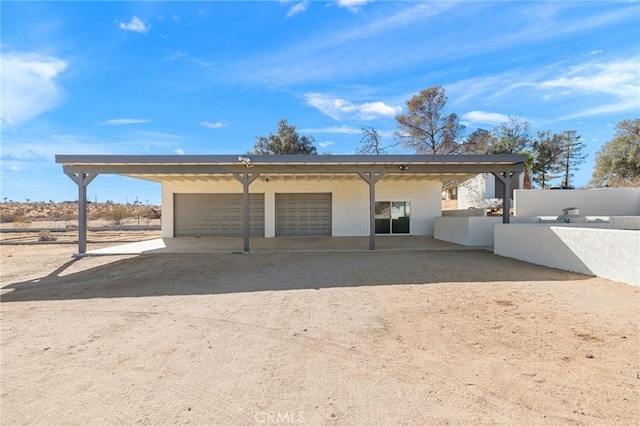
[303, 214]
[217, 215]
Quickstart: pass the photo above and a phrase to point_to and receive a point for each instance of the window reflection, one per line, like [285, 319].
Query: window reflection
[392, 217]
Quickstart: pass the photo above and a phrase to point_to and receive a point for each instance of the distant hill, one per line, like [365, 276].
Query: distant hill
[68, 210]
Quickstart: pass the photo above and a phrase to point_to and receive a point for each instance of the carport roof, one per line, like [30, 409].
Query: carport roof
[215, 164]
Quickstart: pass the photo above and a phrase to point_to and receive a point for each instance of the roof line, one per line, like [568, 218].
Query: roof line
[289, 159]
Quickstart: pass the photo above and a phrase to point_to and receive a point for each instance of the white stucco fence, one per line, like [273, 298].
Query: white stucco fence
[469, 231]
[607, 253]
[591, 202]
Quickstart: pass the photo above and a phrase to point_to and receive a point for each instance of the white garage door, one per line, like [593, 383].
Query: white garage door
[216, 215]
[303, 215]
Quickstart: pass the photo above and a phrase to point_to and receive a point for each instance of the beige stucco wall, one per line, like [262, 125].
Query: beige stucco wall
[350, 200]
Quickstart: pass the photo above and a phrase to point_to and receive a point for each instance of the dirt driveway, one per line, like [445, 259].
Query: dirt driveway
[442, 337]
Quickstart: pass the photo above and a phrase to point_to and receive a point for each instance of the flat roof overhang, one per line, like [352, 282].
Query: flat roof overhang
[145, 166]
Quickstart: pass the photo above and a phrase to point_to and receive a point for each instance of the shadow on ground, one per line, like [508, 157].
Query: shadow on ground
[203, 274]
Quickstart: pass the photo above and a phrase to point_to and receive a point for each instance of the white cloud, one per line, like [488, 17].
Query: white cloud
[29, 85]
[615, 78]
[121, 121]
[352, 5]
[325, 144]
[485, 117]
[14, 168]
[298, 8]
[337, 108]
[594, 52]
[585, 89]
[617, 83]
[136, 24]
[28, 155]
[179, 151]
[216, 125]
[344, 129]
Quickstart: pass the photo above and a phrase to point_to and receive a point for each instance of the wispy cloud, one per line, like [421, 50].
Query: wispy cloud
[135, 24]
[297, 8]
[572, 91]
[29, 85]
[214, 125]
[366, 47]
[325, 144]
[338, 109]
[344, 130]
[329, 53]
[621, 79]
[179, 151]
[124, 121]
[614, 86]
[352, 5]
[155, 138]
[28, 155]
[485, 117]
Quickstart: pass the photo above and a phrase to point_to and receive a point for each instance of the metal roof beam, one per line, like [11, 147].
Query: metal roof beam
[285, 159]
[178, 169]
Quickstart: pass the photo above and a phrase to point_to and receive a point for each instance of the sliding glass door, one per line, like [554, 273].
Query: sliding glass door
[392, 217]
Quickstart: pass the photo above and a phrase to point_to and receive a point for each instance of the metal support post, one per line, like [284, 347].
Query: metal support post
[245, 179]
[82, 180]
[372, 178]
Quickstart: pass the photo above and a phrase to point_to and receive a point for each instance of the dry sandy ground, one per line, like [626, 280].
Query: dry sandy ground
[350, 338]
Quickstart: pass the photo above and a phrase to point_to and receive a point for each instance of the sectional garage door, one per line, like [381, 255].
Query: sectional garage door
[216, 215]
[303, 215]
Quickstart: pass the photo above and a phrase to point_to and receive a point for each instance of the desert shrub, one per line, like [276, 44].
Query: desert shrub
[95, 214]
[118, 214]
[68, 217]
[7, 217]
[22, 222]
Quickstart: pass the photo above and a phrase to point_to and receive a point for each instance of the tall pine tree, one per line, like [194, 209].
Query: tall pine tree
[571, 155]
[546, 148]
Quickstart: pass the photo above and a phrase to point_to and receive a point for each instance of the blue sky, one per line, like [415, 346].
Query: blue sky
[208, 77]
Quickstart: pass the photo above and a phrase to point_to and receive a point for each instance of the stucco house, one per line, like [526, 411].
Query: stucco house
[484, 191]
[286, 196]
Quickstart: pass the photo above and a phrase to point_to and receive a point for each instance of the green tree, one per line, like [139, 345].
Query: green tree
[478, 142]
[618, 162]
[425, 128]
[571, 155]
[514, 137]
[511, 137]
[546, 154]
[285, 142]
